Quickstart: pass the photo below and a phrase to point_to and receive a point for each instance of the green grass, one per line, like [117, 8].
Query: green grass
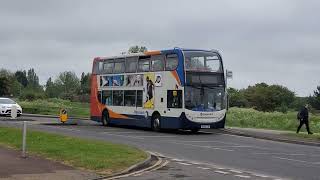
[250, 118]
[53, 106]
[93, 155]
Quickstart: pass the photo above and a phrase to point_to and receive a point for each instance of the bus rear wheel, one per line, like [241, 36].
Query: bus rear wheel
[105, 118]
[156, 121]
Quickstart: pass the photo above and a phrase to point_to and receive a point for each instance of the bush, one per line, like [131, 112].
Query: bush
[52, 107]
[250, 118]
[31, 95]
[283, 108]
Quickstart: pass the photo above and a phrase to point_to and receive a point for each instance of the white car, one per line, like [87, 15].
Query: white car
[6, 105]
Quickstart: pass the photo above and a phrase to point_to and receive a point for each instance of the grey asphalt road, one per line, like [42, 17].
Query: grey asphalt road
[209, 154]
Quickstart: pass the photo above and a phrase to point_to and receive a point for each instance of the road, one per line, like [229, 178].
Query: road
[209, 154]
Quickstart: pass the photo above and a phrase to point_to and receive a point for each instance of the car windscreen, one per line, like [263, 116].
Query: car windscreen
[7, 101]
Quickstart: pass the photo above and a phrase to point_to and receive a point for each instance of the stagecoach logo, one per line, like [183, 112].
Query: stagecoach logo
[206, 114]
[139, 112]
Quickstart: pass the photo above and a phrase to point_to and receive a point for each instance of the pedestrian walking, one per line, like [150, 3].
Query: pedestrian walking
[303, 117]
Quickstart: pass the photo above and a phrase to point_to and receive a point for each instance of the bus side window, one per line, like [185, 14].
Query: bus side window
[131, 64]
[107, 98]
[171, 62]
[144, 64]
[117, 98]
[130, 98]
[108, 66]
[157, 63]
[97, 67]
[174, 98]
[119, 66]
[139, 98]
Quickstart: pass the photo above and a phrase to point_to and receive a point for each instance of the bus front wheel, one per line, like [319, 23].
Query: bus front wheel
[105, 118]
[156, 121]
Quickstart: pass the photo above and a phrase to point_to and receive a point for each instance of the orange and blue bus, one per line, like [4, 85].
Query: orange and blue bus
[168, 89]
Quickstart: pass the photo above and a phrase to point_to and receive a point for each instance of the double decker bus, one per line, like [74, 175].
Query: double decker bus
[168, 89]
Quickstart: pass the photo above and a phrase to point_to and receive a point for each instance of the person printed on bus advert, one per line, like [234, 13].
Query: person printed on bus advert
[149, 89]
[158, 79]
[304, 118]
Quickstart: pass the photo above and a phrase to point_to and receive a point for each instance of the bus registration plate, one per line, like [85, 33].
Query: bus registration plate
[205, 126]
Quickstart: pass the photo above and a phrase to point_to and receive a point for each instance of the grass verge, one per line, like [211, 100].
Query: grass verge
[250, 118]
[99, 156]
[52, 107]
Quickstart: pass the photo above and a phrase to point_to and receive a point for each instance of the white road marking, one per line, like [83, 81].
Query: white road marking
[280, 154]
[261, 175]
[186, 164]
[221, 172]
[177, 160]
[296, 160]
[220, 149]
[242, 176]
[196, 163]
[155, 136]
[119, 135]
[164, 164]
[288, 154]
[205, 168]
[235, 171]
[222, 142]
[127, 132]
[208, 147]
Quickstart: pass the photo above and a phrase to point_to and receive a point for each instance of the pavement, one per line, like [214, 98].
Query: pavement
[209, 154]
[13, 166]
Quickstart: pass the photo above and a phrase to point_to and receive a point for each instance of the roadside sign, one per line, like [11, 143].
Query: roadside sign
[63, 115]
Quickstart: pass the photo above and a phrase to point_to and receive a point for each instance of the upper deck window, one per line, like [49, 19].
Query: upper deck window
[108, 66]
[202, 61]
[131, 64]
[119, 66]
[157, 63]
[171, 62]
[144, 64]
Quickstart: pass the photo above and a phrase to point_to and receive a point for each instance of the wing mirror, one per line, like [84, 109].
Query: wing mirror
[229, 74]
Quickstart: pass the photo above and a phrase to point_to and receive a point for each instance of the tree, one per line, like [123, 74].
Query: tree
[315, 99]
[21, 77]
[237, 98]
[85, 83]
[269, 98]
[68, 83]
[9, 84]
[51, 89]
[33, 79]
[137, 49]
[4, 85]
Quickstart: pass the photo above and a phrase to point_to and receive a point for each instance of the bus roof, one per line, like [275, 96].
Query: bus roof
[153, 52]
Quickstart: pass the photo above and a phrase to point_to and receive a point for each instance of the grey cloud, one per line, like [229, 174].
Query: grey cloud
[272, 41]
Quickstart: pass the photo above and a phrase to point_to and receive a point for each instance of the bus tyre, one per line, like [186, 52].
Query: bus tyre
[105, 118]
[156, 121]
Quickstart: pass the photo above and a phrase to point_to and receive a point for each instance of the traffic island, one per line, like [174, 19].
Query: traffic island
[100, 157]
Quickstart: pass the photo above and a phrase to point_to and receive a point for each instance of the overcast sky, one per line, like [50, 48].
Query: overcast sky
[273, 41]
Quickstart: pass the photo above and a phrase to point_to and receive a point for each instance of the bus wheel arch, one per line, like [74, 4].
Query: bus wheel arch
[156, 121]
[105, 117]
